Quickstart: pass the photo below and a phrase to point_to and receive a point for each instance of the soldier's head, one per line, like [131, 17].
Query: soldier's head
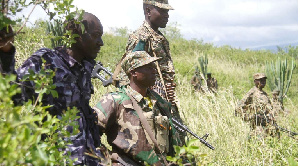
[208, 75]
[260, 80]
[89, 42]
[140, 68]
[156, 13]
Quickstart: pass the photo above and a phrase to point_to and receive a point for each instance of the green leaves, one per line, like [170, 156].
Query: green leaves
[22, 127]
[185, 155]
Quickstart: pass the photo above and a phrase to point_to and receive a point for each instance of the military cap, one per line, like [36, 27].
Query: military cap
[136, 59]
[159, 3]
[259, 76]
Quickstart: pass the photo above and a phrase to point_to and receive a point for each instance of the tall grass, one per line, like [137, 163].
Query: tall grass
[207, 113]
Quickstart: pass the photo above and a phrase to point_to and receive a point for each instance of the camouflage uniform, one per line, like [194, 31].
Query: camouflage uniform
[7, 61]
[212, 85]
[196, 82]
[256, 108]
[118, 119]
[74, 88]
[125, 132]
[143, 38]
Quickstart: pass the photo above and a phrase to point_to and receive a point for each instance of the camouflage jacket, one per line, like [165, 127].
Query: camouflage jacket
[74, 88]
[119, 120]
[256, 107]
[212, 84]
[143, 38]
[7, 61]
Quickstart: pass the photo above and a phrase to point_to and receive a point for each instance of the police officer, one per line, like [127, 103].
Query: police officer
[73, 68]
[256, 108]
[118, 116]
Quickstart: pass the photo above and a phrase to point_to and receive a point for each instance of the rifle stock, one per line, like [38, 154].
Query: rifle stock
[95, 74]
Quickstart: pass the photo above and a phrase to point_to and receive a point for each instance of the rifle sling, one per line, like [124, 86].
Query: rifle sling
[146, 125]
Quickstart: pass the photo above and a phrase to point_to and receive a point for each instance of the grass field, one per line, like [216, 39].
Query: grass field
[208, 113]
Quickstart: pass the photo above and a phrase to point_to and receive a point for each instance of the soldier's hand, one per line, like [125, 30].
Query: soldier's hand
[6, 39]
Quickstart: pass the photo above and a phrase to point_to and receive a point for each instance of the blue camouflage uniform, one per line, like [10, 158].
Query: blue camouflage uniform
[74, 88]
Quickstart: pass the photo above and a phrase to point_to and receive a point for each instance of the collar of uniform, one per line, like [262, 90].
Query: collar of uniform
[136, 95]
[69, 59]
[155, 35]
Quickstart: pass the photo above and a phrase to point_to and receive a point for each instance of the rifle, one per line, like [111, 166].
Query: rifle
[285, 130]
[280, 128]
[181, 127]
[95, 74]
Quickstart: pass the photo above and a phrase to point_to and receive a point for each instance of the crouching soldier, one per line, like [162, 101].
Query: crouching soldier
[135, 119]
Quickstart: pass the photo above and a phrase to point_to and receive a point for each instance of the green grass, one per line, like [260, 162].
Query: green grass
[207, 113]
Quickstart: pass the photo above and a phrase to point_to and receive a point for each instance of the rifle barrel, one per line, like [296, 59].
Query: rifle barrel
[181, 126]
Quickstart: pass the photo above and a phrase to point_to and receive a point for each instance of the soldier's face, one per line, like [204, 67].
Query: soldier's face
[159, 17]
[145, 75]
[260, 83]
[91, 40]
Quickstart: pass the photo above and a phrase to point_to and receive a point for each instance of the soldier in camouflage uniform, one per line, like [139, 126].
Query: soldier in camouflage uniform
[131, 144]
[256, 108]
[212, 83]
[7, 51]
[73, 68]
[148, 38]
[196, 80]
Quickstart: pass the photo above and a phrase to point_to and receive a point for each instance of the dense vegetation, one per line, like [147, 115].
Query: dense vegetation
[205, 113]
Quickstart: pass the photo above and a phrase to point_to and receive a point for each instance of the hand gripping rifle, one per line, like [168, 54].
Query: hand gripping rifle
[180, 127]
[95, 74]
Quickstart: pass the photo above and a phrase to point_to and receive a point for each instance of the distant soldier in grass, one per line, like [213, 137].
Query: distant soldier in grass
[119, 116]
[256, 108]
[196, 81]
[212, 83]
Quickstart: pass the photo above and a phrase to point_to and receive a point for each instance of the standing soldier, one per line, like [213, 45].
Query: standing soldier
[196, 81]
[148, 38]
[277, 104]
[124, 116]
[256, 108]
[212, 83]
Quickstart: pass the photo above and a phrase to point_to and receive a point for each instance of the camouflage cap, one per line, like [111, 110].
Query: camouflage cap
[136, 59]
[159, 3]
[259, 76]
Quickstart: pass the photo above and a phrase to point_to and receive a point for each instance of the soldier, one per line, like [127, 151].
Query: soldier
[212, 83]
[196, 81]
[7, 50]
[151, 40]
[73, 84]
[119, 118]
[256, 108]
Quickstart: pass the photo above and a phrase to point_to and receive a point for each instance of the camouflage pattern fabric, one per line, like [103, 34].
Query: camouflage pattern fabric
[196, 82]
[74, 88]
[212, 85]
[159, 3]
[118, 119]
[146, 35]
[7, 62]
[256, 108]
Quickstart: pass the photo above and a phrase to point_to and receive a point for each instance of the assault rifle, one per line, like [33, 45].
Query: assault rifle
[285, 130]
[95, 74]
[281, 128]
[180, 127]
